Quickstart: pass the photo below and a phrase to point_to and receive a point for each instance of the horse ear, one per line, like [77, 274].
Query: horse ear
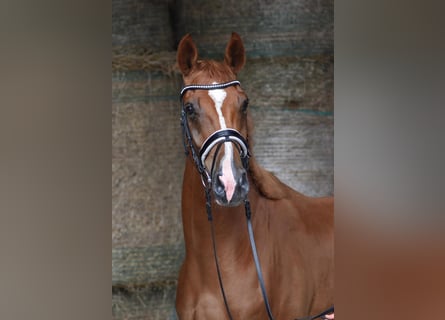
[235, 55]
[187, 54]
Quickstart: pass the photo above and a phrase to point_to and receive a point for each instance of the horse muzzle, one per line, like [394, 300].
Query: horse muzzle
[230, 191]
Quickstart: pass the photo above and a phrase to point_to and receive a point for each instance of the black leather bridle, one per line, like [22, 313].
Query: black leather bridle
[215, 140]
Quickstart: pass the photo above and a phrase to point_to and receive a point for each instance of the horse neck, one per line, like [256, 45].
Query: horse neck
[229, 223]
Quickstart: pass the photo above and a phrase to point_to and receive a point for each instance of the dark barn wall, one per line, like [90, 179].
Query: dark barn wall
[289, 79]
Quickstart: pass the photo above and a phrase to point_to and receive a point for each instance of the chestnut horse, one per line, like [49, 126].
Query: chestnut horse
[294, 233]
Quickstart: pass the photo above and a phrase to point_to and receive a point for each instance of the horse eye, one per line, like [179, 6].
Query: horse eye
[189, 109]
[244, 106]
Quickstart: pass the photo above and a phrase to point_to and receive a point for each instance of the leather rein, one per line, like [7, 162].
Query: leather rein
[216, 139]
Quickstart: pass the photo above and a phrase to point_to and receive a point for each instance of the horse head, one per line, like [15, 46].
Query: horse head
[215, 114]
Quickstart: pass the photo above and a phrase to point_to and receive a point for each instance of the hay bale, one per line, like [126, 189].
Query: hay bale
[290, 83]
[142, 266]
[164, 61]
[142, 24]
[147, 166]
[269, 28]
[152, 302]
[298, 147]
[147, 160]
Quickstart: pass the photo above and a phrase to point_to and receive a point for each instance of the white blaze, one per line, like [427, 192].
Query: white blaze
[227, 178]
[218, 96]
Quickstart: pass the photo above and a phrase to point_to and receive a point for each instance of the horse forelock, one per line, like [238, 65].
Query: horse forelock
[209, 71]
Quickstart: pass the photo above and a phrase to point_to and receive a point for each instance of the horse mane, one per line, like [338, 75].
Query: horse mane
[208, 71]
[266, 182]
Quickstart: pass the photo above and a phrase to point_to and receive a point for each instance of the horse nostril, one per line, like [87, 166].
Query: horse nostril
[219, 187]
[242, 179]
[244, 182]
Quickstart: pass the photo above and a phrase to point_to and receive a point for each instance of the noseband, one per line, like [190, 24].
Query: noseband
[217, 139]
